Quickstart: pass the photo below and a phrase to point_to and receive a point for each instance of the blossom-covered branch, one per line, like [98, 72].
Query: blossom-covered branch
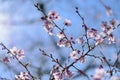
[18, 55]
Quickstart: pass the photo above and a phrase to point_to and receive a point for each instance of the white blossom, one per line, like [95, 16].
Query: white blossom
[99, 74]
[67, 22]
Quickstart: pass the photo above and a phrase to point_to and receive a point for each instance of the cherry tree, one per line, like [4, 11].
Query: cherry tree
[87, 50]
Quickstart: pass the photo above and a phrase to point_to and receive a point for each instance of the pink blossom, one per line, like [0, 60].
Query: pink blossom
[99, 74]
[48, 26]
[82, 59]
[80, 40]
[111, 39]
[63, 43]
[14, 51]
[103, 34]
[73, 54]
[98, 39]
[68, 74]
[22, 76]
[60, 35]
[104, 25]
[52, 15]
[19, 54]
[67, 22]
[108, 11]
[97, 36]
[109, 30]
[114, 23]
[92, 33]
[115, 78]
[58, 76]
[6, 60]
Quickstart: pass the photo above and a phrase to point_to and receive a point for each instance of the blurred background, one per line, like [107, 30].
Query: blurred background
[21, 26]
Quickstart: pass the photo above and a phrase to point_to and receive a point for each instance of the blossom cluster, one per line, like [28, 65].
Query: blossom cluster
[12, 53]
[58, 75]
[99, 74]
[19, 54]
[91, 35]
[22, 76]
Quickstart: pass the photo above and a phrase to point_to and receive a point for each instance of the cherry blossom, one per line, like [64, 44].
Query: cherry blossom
[56, 74]
[14, 51]
[48, 26]
[98, 39]
[22, 76]
[99, 74]
[6, 60]
[92, 33]
[103, 34]
[111, 39]
[68, 74]
[73, 55]
[63, 43]
[53, 15]
[67, 22]
[104, 25]
[19, 54]
[108, 11]
[114, 23]
[115, 78]
[60, 35]
[82, 59]
[80, 40]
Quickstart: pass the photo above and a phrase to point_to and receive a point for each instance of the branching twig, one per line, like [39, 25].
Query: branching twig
[22, 64]
[51, 57]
